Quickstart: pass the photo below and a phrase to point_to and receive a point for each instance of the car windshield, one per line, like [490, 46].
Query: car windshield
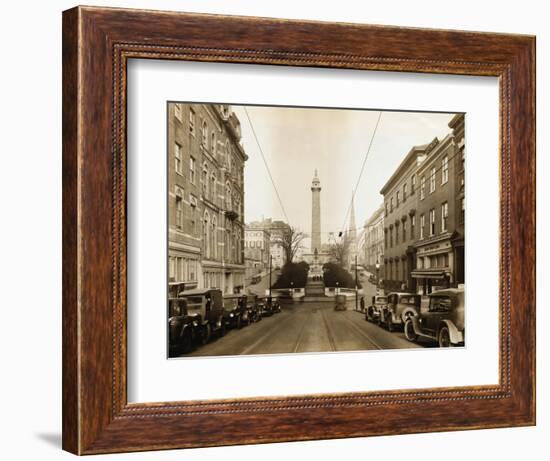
[408, 300]
[381, 299]
[194, 302]
[440, 303]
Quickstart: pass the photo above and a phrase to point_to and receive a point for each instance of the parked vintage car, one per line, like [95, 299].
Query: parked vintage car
[205, 306]
[340, 303]
[399, 308]
[269, 305]
[235, 313]
[254, 311]
[182, 328]
[444, 320]
[373, 312]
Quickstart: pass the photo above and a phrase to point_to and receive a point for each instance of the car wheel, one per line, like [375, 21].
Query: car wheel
[206, 334]
[444, 338]
[409, 331]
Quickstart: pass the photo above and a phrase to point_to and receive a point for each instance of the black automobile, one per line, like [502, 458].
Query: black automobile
[205, 307]
[235, 313]
[269, 305]
[182, 328]
[254, 311]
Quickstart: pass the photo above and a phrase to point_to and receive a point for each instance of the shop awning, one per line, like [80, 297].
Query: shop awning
[429, 274]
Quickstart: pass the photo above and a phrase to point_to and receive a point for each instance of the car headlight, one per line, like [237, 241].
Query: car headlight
[231, 315]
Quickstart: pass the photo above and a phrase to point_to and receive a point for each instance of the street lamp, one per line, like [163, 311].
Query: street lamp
[337, 287]
[292, 289]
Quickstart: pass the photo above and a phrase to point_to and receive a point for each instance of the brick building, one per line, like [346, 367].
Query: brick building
[400, 220]
[440, 245]
[205, 196]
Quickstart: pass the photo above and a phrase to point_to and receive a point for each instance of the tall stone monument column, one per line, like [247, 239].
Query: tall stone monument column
[315, 214]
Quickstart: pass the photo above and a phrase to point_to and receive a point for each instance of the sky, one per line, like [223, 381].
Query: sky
[296, 141]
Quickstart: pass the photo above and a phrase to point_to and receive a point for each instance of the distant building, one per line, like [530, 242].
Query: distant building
[373, 242]
[205, 197]
[276, 230]
[256, 250]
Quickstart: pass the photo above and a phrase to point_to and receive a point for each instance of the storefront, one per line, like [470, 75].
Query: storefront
[434, 266]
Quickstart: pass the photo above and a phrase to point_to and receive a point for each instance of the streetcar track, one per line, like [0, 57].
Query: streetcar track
[300, 337]
[355, 328]
[272, 332]
[329, 332]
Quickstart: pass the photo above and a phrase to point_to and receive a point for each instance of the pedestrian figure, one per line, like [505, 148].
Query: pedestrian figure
[362, 303]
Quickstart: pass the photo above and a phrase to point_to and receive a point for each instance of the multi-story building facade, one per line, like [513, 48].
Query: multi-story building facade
[256, 250]
[373, 242]
[440, 210]
[400, 220]
[277, 230]
[205, 197]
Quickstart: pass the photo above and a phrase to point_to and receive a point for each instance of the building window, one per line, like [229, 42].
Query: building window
[462, 210]
[404, 192]
[177, 158]
[204, 133]
[227, 197]
[444, 216]
[432, 180]
[213, 189]
[206, 236]
[179, 208]
[445, 169]
[193, 216]
[386, 207]
[191, 121]
[397, 199]
[432, 222]
[391, 237]
[413, 183]
[422, 223]
[192, 170]
[413, 225]
[214, 245]
[422, 187]
[204, 180]
[397, 234]
[391, 204]
[385, 238]
[213, 144]
[177, 112]
[404, 231]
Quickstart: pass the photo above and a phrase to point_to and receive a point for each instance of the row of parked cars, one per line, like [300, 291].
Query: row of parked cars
[195, 316]
[442, 321]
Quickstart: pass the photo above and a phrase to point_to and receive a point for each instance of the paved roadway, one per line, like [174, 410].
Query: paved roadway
[306, 327]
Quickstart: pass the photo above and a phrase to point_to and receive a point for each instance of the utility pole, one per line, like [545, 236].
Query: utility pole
[270, 266]
[356, 286]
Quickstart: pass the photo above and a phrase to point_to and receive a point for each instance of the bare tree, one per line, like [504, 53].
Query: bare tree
[339, 251]
[291, 241]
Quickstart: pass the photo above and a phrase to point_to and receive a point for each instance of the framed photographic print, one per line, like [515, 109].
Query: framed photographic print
[282, 230]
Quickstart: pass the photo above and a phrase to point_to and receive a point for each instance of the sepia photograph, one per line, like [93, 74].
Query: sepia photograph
[313, 230]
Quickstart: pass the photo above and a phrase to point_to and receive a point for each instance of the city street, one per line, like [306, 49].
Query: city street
[307, 327]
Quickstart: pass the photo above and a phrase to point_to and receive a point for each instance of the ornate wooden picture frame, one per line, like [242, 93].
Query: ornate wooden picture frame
[97, 44]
